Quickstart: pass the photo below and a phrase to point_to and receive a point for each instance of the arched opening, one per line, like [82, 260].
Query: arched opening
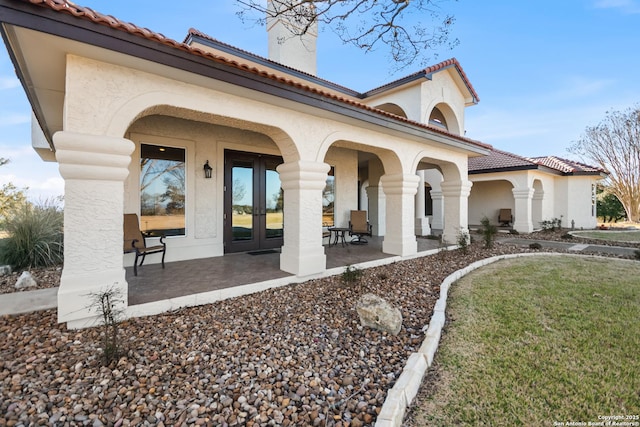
[442, 116]
[392, 108]
[487, 198]
[437, 119]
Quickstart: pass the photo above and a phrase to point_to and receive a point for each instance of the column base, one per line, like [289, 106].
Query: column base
[77, 295]
[400, 246]
[422, 227]
[303, 264]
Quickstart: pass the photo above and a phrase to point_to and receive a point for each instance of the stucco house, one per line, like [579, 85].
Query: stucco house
[226, 151]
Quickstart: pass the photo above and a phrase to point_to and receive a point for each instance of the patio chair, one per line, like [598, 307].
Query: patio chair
[505, 218]
[134, 241]
[359, 227]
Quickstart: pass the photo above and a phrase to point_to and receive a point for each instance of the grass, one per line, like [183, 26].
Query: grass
[537, 341]
[613, 236]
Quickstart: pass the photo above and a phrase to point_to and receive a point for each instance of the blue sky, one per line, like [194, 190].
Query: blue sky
[543, 70]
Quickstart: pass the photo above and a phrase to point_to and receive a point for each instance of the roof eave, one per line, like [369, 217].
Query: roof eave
[181, 57]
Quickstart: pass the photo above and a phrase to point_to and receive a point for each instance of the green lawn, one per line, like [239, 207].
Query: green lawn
[614, 236]
[536, 341]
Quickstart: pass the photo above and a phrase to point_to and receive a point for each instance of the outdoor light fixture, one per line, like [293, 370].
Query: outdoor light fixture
[207, 170]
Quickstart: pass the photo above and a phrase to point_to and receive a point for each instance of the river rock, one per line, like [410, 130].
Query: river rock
[26, 281]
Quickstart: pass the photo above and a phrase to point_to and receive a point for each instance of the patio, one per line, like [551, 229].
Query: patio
[183, 281]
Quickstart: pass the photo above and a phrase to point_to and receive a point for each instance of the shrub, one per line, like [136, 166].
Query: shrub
[535, 245]
[106, 304]
[35, 236]
[567, 236]
[513, 231]
[463, 240]
[351, 274]
[488, 231]
[637, 254]
[551, 224]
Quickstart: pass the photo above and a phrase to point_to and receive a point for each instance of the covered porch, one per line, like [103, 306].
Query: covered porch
[202, 281]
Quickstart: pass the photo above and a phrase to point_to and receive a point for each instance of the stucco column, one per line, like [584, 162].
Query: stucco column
[537, 205]
[377, 201]
[437, 220]
[523, 209]
[422, 222]
[94, 169]
[400, 190]
[456, 209]
[376, 210]
[303, 182]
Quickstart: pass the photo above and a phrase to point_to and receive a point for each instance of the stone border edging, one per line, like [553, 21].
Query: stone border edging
[406, 388]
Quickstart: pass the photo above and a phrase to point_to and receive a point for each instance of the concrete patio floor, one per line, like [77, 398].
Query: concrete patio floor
[183, 278]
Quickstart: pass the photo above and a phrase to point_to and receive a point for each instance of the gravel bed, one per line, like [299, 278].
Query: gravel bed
[46, 277]
[290, 356]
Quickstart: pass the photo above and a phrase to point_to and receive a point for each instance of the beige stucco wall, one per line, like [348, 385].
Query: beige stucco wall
[419, 98]
[487, 198]
[573, 201]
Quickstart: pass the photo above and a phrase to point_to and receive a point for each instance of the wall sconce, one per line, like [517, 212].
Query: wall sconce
[207, 170]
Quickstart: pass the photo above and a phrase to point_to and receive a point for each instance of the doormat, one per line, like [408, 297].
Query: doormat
[268, 251]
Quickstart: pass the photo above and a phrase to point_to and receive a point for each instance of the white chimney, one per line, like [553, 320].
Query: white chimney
[288, 48]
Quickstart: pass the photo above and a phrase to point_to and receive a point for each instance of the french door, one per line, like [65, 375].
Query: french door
[253, 202]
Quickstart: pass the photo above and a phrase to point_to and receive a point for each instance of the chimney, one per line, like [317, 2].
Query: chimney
[285, 46]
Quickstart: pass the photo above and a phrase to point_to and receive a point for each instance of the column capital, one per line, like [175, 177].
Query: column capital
[92, 157]
[400, 184]
[523, 192]
[304, 175]
[456, 188]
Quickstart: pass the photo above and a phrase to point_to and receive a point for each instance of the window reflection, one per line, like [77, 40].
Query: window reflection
[162, 189]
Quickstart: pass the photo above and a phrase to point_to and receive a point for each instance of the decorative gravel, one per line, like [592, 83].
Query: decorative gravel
[295, 355]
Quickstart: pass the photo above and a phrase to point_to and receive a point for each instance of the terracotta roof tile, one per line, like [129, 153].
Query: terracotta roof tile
[452, 62]
[565, 165]
[497, 160]
[86, 13]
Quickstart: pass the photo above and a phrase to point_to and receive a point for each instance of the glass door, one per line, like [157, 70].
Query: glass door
[253, 202]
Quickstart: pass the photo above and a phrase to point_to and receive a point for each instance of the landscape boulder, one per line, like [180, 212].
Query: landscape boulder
[377, 313]
[25, 281]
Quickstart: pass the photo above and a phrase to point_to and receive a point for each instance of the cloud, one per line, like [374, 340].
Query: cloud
[9, 83]
[628, 7]
[14, 119]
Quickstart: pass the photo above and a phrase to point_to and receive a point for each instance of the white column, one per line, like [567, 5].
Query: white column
[437, 221]
[523, 209]
[422, 222]
[94, 169]
[303, 182]
[400, 190]
[377, 201]
[376, 209]
[456, 209]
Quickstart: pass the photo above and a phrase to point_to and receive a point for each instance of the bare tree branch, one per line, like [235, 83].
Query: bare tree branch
[410, 29]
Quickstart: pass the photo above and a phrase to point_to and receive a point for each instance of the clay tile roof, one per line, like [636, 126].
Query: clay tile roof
[498, 160]
[66, 6]
[566, 166]
[452, 62]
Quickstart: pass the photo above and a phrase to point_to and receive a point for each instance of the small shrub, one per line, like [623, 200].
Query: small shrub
[488, 231]
[637, 254]
[512, 231]
[35, 236]
[463, 240]
[106, 305]
[351, 274]
[535, 246]
[551, 224]
[567, 236]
